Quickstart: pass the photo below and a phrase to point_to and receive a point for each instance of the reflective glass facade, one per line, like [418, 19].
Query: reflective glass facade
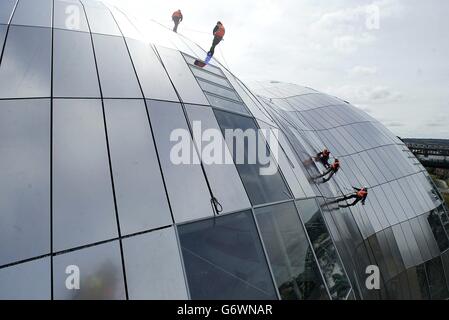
[88, 101]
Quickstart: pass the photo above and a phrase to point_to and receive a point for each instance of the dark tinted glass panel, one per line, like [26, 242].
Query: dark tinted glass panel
[227, 253]
[152, 76]
[221, 175]
[100, 273]
[25, 70]
[226, 104]
[31, 280]
[118, 79]
[33, 13]
[153, 266]
[325, 250]
[438, 230]
[230, 94]
[260, 188]
[210, 77]
[6, 7]
[187, 203]
[74, 72]
[100, 18]
[141, 199]
[83, 204]
[25, 179]
[290, 254]
[419, 289]
[69, 15]
[437, 281]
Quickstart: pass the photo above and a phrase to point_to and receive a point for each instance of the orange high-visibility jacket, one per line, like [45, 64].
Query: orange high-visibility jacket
[177, 14]
[362, 193]
[220, 32]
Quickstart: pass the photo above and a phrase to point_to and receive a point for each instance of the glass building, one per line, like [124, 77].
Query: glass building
[88, 98]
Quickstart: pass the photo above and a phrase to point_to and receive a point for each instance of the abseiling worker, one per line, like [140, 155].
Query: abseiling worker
[358, 195]
[218, 32]
[177, 18]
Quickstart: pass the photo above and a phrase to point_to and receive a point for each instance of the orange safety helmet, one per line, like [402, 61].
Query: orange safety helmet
[363, 192]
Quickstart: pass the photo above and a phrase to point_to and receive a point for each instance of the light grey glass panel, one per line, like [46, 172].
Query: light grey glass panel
[100, 18]
[100, 273]
[83, 204]
[187, 203]
[402, 245]
[69, 15]
[117, 76]
[3, 29]
[221, 174]
[153, 266]
[25, 179]
[224, 259]
[141, 200]
[33, 13]
[25, 70]
[210, 77]
[230, 94]
[420, 239]
[411, 241]
[74, 72]
[291, 257]
[226, 104]
[30, 281]
[6, 8]
[183, 79]
[152, 76]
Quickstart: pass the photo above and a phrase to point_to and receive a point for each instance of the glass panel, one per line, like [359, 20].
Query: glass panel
[2, 35]
[33, 13]
[226, 252]
[83, 204]
[221, 174]
[100, 18]
[118, 79]
[141, 200]
[210, 77]
[438, 230]
[183, 79]
[74, 71]
[208, 67]
[324, 248]
[289, 252]
[226, 104]
[25, 179]
[31, 280]
[25, 69]
[180, 175]
[418, 283]
[230, 94]
[420, 239]
[261, 188]
[437, 281]
[411, 241]
[69, 15]
[152, 76]
[402, 245]
[100, 272]
[153, 266]
[6, 7]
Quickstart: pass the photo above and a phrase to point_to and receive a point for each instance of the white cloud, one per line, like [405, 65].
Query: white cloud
[363, 71]
[362, 94]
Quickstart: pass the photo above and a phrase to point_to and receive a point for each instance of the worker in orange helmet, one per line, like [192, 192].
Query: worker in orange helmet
[359, 195]
[177, 18]
[333, 169]
[218, 32]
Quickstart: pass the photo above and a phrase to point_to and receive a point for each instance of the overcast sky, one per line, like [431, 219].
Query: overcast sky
[396, 67]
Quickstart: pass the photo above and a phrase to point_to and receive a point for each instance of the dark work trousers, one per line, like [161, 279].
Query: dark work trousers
[176, 21]
[216, 41]
[324, 161]
[352, 196]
